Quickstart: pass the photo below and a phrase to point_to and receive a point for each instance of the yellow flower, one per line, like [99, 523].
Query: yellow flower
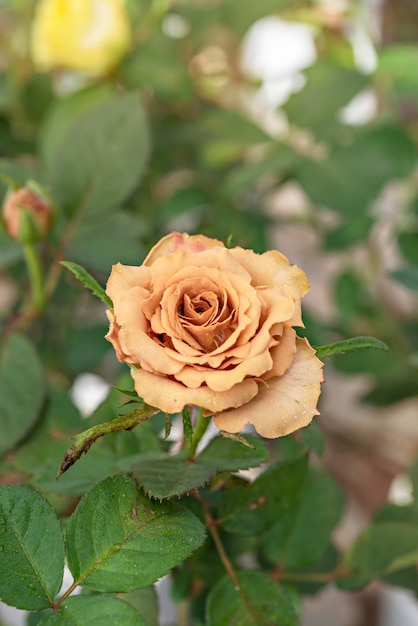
[212, 327]
[86, 35]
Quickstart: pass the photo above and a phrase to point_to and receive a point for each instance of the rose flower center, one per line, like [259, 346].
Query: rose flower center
[207, 317]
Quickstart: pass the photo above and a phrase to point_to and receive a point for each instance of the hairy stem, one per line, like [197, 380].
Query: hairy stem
[83, 441]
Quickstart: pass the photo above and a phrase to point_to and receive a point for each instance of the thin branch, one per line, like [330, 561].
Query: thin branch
[212, 526]
[280, 575]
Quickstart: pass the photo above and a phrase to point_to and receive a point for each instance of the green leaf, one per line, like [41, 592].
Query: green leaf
[408, 244]
[301, 535]
[413, 472]
[15, 172]
[395, 74]
[390, 389]
[377, 362]
[394, 513]
[227, 455]
[146, 68]
[118, 540]
[349, 345]
[185, 200]
[84, 348]
[10, 250]
[94, 610]
[32, 549]
[382, 549]
[116, 236]
[355, 229]
[36, 96]
[33, 619]
[254, 508]
[145, 602]
[235, 14]
[35, 455]
[258, 601]
[311, 437]
[99, 463]
[21, 390]
[100, 158]
[61, 417]
[165, 476]
[353, 173]
[64, 114]
[224, 135]
[311, 580]
[407, 276]
[407, 578]
[88, 281]
[187, 426]
[276, 166]
[350, 297]
[329, 87]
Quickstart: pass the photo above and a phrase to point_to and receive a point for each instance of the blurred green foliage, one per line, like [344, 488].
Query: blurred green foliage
[178, 137]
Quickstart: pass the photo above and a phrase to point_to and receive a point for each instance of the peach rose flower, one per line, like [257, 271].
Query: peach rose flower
[207, 326]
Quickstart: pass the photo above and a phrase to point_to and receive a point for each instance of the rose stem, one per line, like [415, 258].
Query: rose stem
[35, 277]
[83, 441]
[211, 523]
[199, 430]
[283, 576]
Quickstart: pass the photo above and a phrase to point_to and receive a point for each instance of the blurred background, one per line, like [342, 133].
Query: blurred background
[283, 124]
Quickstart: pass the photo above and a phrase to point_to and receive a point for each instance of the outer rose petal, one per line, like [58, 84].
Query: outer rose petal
[171, 397]
[123, 278]
[272, 268]
[180, 241]
[113, 335]
[289, 402]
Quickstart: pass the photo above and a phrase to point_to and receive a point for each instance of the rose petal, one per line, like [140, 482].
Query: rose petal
[241, 298]
[182, 265]
[282, 354]
[171, 397]
[125, 289]
[222, 380]
[113, 335]
[271, 362]
[123, 278]
[273, 268]
[289, 402]
[180, 241]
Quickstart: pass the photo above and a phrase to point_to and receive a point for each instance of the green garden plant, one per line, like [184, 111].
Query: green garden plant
[137, 245]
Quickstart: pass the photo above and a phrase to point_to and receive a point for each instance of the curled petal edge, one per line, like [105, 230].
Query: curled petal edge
[180, 241]
[286, 404]
[171, 397]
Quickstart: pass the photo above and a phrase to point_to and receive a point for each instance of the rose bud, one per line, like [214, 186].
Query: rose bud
[26, 215]
[203, 325]
[86, 35]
